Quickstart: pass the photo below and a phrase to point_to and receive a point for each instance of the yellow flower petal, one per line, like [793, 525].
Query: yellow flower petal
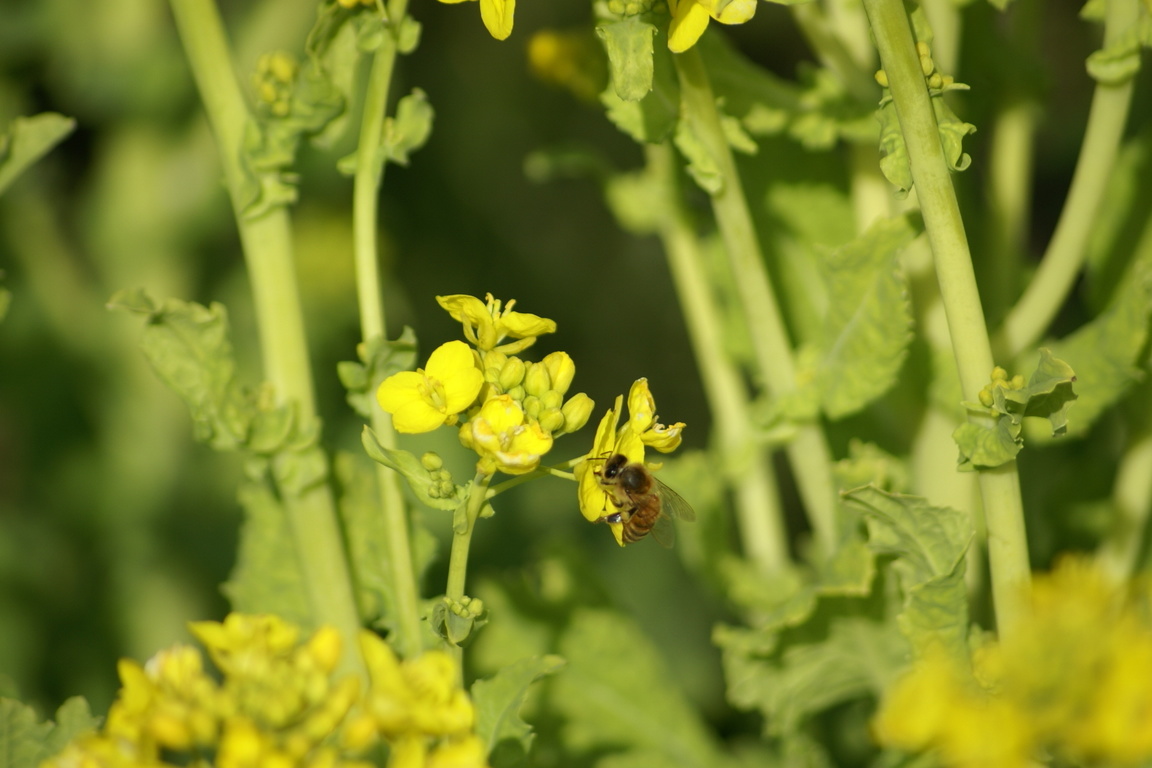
[732, 11]
[497, 17]
[689, 20]
[454, 364]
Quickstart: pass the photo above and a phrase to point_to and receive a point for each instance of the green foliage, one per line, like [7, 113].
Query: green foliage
[27, 140]
[1048, 394]
[615, 694]
[869, 322]
[629, 46]
[498, 701]
[25, 742]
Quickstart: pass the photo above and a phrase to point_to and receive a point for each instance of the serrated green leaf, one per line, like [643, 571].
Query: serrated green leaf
[25, 742]
[702, 166]
[868, 464]
[893, 153]
[987, 447]
[839, 659]
[409, 129]
[267, 577]
[188, 346]
[869, 322]
[379, 359]
[1047, 394]
[929, 546]
[615, 693]
[419, 479]
[952, 130]
[27, 140]
[498, 701]
[630, 50]
[1105, 351]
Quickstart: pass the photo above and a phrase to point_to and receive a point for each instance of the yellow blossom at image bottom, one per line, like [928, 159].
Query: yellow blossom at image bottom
[1073, 680]
[277, 703]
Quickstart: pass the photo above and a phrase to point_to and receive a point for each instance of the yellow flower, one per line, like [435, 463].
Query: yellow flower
[505, 438]
[690, 18]
[425, 399]
[496, 15]
[486, 324]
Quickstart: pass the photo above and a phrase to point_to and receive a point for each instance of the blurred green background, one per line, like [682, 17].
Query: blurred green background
[115, 527]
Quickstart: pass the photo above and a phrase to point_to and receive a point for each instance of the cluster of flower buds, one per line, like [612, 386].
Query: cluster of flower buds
[508, 410]
[1000, 380]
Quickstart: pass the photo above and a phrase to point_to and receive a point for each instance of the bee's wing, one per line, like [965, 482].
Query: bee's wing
[672, 504]
[664, 531]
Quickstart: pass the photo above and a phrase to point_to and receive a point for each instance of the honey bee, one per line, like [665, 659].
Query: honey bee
[643, 503]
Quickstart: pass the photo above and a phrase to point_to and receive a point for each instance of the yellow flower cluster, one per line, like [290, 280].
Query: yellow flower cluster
[1072, 681]
[512, 409]
[641, 430]
[999, 380]
[275, 81]
[276, 704]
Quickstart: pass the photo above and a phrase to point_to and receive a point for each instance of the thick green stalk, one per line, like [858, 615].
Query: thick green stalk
[1049, 287]
[365, 202]
[808, 453]
[1000, 487]
[758, 513]
[267, 245]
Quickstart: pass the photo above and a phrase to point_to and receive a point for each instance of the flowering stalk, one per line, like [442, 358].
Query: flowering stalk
[758, 512]
[1000, 487]
[267, 246]
[369, 287]
[1046, 292]
[808, 452]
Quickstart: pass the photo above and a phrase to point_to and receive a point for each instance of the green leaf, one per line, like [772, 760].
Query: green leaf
[267, 577]
[409, 129]
[426, 487]
[893, 153]
[498, 701]
[653, 118]
[987, 447]
[952, 129]
[188, 346]
[837, 657]
[869, 322]
[1106, 351]
[367, 537]
[629, 46]
[1047, 394]
[1118, 62]
[617, 694]
[928, 545]
[379, 359]
[25, 742]
[27, 140]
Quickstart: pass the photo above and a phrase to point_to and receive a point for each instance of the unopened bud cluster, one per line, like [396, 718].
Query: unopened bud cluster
[937, 81]
[626, 8]
[441, 485]
[275, 81]
[1000, 380]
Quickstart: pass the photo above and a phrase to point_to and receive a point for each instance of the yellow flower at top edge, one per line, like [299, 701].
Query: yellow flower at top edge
[486, 324]
[690, 18]
[424, 399]
[496, 15]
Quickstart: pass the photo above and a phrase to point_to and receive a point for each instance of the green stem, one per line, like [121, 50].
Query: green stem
[462, 527]
[1053, 280]
[369, 287]
[1000, 487]
[808, 453]
[758, 513]
[267, 246]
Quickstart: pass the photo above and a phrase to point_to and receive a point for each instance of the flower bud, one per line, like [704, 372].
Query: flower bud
[552, 399]
[532, 407]
[986, 398]
[431, 461]
[561, 370]
[537, 380]
[512, 373]
[576, 412]
[551, 420]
